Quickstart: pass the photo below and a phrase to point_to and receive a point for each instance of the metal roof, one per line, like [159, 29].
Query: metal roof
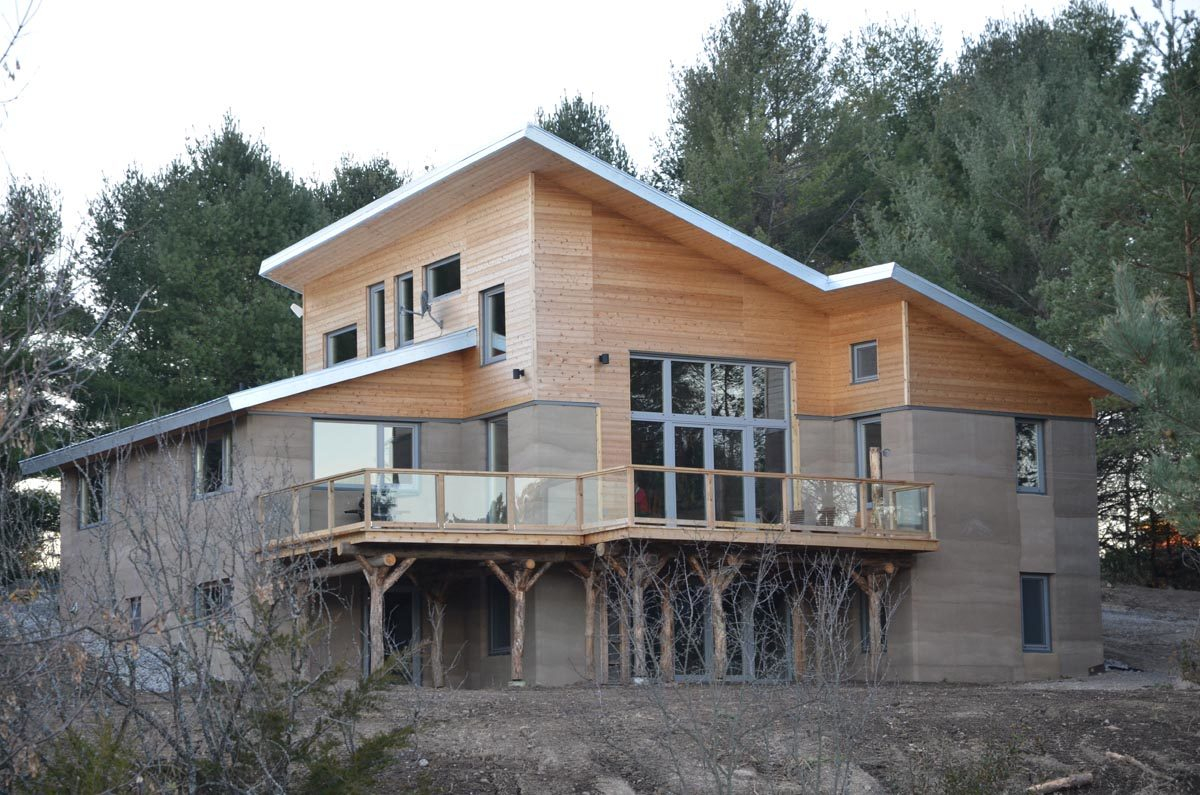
[248, 398]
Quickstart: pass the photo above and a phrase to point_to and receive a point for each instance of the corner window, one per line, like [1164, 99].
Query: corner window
[499, 618]
[497, 444]
[135, 615]
[214, 599]
[495, 344]
[404, 310]
[341, 346]
[376, 326]
[1035, 612]
[212, 470]
[1031, 470]
[864, 362]
[443, 278]
[93, 494]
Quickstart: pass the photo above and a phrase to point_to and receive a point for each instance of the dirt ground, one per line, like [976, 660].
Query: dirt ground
[919, 738]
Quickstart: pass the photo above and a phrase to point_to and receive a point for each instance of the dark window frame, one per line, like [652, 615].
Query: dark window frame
[135, 614]
[84, 491]
[855, 376]
[213, 600]
[498, 598]
[224, 437]
[490, 426]
[1039, 451]
[453, 259]
[329, 335]
[405, 320]
[376, 319]
[486, 313]
[1048, 646]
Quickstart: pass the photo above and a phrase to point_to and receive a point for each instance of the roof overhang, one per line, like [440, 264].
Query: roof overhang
[249, 398]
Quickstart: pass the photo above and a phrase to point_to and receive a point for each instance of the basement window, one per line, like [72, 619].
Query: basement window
[444, 277]
[404, 310]
[864, 362]
[93, 494]
[214, 599]
[376, 308]
[499, 618]
[212, 470]
[1031, 469]
[341, 345]
[1035, 612]
[495, 341]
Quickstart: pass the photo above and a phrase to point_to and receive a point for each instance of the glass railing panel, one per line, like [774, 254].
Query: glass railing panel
[276, 515]
[348, 500]
[606, 498]
[545, 502]
[649, 494]
[690, 496]
[476, 499]
[751, 499]
[404, 497]
[899, 508]
[823, 503]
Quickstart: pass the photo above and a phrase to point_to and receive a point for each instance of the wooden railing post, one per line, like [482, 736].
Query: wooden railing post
[630, 515]
[439, 500]
[710, 501]
[510, 499]
[863, 522]
[330, 522]
[930, 519]
[579, 503]
[366, 498]
[785, 502]
[295, 511]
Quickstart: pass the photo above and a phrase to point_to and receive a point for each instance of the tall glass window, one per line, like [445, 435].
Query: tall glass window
[497, 444]
[495, 339]
[1031, 472]
[1035, 612]
[404, 310]
[376, 309]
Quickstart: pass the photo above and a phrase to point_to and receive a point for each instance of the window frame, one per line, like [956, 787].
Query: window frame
[134, 604]
[199, 445]
[490, 424]
[207, 609]
[1040, 449]
[404, 319]
[83, 490]
[381, 440]
[376, 319]
[485, 322]
[1048, 646]
[855, 378]
[329, 335]
[496, 588]
[453, 259]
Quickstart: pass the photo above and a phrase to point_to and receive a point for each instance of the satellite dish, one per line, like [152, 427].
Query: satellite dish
[424, 302]
[297, 310]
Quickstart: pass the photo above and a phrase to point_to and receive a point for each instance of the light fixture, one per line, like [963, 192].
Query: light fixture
[602, 358]
[517, 373]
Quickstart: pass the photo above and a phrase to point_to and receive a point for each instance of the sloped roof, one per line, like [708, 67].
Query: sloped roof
[249, 398]
[533, 149]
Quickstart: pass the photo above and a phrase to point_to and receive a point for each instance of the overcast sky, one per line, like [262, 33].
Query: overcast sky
[107, 84]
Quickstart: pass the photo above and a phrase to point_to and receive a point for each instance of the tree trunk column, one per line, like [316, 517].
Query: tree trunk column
[379, 580]
[718, 577]
[522, 579]
[799, 637]
[587, 576]
[666, 635]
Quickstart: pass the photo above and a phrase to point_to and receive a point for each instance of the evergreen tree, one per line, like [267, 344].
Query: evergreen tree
[585, 124]
[355, 185]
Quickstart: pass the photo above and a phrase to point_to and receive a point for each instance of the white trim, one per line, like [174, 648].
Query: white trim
[248, 398]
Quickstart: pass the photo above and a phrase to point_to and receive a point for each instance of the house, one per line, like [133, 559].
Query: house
[529, 361]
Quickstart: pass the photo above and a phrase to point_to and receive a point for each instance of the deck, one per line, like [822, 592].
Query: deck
[370, 507]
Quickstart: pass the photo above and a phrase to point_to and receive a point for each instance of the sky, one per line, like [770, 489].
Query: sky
[105, 85]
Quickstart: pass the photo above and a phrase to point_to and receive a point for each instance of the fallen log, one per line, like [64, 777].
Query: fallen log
[1074, 781]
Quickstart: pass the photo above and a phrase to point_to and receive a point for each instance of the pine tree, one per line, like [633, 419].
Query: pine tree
[586, 124]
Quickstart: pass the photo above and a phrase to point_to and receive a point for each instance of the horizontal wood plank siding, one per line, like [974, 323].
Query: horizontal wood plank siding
[883, 323]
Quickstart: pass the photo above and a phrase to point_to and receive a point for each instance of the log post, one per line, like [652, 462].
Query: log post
[623, 639]
[587, 574]
[379, 580]
[523, 578]
[799, 637]
[873, 583]
[717, 578]
[602, 609]
[434, 593]
[666, 634]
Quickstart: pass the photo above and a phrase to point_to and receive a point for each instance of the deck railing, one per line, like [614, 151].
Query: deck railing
[620, 497]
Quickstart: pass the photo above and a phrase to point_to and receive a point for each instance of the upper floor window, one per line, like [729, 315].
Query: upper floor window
[344, 446]
[341, 345]
[93, 494]
[443, 278]
[212, 464]
[495, 343]
[135, 615]
[214, 599]
[376, 326]
[1031, 470]
[864, 362]
[404, 310]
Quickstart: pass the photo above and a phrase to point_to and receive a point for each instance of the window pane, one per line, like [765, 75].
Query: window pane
[399, 452]
[404, 323]
[645, 385]
[729, 494]
[343, 447]
[1034, 623]
[647, 449]
[1029, 475]
[342, 346]
[497, 445]
[866, 364]
[378, 332]
[770, 392]
[728, 390]
[211, 474]
[687, 388]
[444, 279]
[689, 489]
[493, 309]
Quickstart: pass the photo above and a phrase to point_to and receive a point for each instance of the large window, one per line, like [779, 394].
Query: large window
[1031, 470]
[864, 362]
[376, 325]
[347, 446]
[495, 341]
[499, 618]
[1035, 612]
[341, 345]
[691, 413]
[212, 462]
[443, 278]
[93, 494]
[404, 310]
